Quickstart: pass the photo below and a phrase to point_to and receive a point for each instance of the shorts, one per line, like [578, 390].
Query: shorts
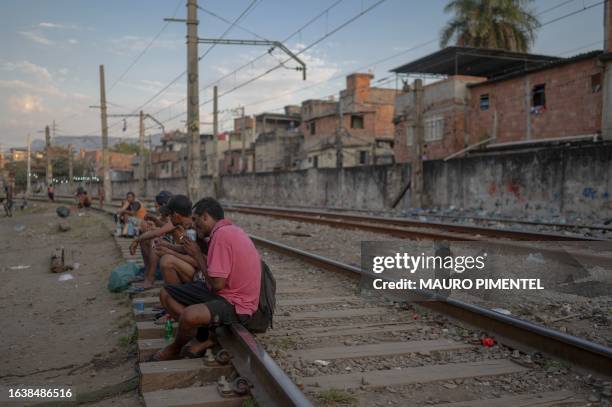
[221, 310]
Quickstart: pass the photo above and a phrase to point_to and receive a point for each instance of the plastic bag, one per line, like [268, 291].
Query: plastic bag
[63, 212]
[121, 277]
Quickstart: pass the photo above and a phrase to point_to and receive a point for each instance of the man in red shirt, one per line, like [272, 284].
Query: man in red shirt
[228, 291]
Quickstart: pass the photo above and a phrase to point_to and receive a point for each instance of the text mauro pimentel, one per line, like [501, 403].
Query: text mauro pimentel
[412, 264]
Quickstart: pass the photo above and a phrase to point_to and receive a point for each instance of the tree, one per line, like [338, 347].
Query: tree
[503, 24]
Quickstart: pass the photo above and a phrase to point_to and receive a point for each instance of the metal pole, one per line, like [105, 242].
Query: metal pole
[29, 169]
[193, 102]
[417, 157]
[49, 172]
[105, 156]
[215, 160]
[243, 139]
[339, 158]
[70, 167]
[141, 157]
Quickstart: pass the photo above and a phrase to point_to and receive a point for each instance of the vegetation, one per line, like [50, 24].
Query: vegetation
[503, 24]
[335, 397]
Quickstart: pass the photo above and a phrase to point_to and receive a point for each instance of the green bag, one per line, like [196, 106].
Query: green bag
[121, 277]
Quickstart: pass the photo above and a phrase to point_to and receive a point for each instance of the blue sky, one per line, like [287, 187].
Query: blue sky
[50, 53]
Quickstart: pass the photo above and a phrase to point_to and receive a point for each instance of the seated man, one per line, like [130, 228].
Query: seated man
[131, 212]
[175, 263]
[157, 227]
[83, 200]
[229, 292]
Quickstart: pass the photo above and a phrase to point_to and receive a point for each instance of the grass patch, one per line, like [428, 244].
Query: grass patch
[127, 340]
[335, 397]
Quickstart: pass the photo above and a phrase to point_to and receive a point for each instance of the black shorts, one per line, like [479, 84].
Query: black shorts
[221, 310]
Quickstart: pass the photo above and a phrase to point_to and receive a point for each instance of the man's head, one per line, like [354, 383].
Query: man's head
[206, 213]
[162, 199]
[179, 207]
[130, 197]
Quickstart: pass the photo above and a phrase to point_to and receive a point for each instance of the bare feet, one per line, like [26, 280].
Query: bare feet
[168, 353]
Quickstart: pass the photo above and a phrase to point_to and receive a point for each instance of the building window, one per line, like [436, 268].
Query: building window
[596, 82]
[484, 101]
[538, 96]
[409, 135]
[434, 128]
[356, 122]
[363, 157]
[315, 161]
[313, 128]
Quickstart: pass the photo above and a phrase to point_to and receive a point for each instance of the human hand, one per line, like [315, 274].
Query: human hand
[191, 248]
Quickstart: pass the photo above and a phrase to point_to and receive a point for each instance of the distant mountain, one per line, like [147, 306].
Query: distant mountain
[90, 142]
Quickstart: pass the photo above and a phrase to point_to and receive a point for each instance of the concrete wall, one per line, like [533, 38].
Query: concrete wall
[551, 181]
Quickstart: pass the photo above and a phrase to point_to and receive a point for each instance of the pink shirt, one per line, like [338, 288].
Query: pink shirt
[233, 256]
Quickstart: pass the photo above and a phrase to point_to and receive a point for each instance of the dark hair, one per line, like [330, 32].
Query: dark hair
[180, 204]
[130, 193]
[210, 206]
[163, 197]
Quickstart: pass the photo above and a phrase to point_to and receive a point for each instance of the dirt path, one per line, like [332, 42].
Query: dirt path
[64, 333]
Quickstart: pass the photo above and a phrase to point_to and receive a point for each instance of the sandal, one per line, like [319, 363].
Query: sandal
[186, 352]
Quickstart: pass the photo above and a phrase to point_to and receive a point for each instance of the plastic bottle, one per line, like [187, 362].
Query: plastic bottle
[169, 331]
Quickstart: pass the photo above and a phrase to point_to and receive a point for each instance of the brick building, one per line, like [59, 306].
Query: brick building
[120, 164]
[169, 160]
[507, 99]
[367, 114]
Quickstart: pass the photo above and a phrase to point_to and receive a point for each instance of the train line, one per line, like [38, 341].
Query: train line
[332, 345]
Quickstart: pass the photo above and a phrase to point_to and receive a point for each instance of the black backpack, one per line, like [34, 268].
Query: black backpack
[261, 320]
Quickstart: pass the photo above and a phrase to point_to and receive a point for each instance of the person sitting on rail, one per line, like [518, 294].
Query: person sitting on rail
[176, 265]
[229, 291]
[83, 200]
[130, 215]
[155, 227]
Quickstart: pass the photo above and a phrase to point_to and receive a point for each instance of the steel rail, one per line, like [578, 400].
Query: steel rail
[512, 331]
[271, 385]
[403, 222]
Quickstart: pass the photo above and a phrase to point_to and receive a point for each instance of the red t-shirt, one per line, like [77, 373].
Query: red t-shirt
[233, 256]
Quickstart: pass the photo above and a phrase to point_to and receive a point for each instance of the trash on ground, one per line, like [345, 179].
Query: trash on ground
[19, 227]
[487, 342]
[20, 267]
[320, 362]
[65, 277]
[63, 212]
[63, 227]
[536, 258]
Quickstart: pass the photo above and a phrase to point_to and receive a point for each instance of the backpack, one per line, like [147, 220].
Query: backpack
[261, 320]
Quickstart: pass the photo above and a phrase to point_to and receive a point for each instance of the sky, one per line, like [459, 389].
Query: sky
[50, 54]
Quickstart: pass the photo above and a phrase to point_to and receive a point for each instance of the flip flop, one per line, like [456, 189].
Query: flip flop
[186, 352]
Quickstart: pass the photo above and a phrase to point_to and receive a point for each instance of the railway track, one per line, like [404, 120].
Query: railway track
[339, 347]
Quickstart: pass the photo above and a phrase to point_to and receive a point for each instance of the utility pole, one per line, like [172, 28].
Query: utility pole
[141, 157]
[70, 166]
[105, 168]
[49, 172]
[417, 156]
[338, 141]
[29, 169]
[243, 140]
[215, 142]
[193, 103]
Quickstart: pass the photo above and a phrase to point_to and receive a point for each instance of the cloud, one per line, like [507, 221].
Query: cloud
[59, 26]
[26, 104]
[72, 41]
[128, 44]
[22, 86]
[37, 38]
[51, 25]
[27, 68]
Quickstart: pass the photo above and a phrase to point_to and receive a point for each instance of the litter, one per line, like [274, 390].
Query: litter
[487, 342]
[65, 277]
[76, 266]
[536, 258]
[19, 227]
[20, 267]
[63, 212]
[321, 362]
